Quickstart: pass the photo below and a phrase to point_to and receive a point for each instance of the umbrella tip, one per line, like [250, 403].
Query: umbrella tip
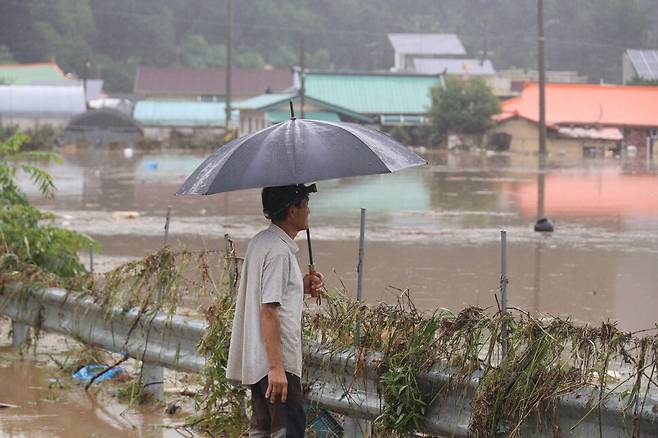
[292, 111]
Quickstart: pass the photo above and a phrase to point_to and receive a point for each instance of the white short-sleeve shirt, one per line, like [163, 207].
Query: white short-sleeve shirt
[270, 274]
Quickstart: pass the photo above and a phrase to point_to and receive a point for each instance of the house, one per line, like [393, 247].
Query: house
[640, 64]
[411, 46]
[29, 106]
[162, 119]
[382, 99]
[208, 84]
[42, 94]
[29, 74]
[262, 111]
[48, 74]
[582, 118]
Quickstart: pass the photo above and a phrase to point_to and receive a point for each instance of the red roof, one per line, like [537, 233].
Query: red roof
[182, 81]
[586, 104]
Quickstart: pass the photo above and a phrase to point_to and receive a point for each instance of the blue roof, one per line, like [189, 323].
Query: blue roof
[181, 113]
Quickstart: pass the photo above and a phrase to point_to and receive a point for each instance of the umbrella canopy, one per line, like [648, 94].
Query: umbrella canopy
[297, 152]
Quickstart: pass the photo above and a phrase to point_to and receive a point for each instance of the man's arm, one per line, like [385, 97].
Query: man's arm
[271, 332]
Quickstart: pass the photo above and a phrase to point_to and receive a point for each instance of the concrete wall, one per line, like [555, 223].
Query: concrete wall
[251, 121]
[164, 133]
[29, 123]
[525, 139]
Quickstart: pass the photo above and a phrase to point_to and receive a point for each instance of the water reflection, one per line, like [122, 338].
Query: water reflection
[607, 193]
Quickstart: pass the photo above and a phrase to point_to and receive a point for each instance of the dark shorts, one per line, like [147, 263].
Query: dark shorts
[277, 420]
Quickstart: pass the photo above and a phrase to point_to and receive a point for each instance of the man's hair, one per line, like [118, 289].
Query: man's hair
[277, 200]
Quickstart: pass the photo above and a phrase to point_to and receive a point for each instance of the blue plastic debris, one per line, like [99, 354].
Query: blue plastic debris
[151, 165]
[86, 373]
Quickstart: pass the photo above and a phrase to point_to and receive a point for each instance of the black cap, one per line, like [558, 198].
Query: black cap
[277, 199]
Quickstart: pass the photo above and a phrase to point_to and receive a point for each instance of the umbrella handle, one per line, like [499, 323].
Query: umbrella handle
[312, 271]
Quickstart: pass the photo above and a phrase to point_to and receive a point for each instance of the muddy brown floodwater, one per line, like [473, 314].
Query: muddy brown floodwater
[434, 230]
[43, 402]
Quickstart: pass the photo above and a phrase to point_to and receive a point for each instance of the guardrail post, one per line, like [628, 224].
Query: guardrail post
[153, 375]
[356, 428]
[153, 381]
[18, 334]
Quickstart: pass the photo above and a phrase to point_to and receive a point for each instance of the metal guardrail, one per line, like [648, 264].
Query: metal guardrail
[330, 377]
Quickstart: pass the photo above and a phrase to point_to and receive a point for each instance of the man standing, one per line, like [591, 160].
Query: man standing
[266, 341]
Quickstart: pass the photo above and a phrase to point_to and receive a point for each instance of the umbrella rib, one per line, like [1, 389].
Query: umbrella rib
[360, 142]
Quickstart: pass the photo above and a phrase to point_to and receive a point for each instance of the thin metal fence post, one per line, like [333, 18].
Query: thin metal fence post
[91, 258]
[503, 291]
[230, 265]
[358, 427]
[166, 227]
[153, 375]
[359, 271]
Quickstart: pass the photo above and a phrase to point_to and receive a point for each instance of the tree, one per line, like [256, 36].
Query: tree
[196, 52]
[65, 29]
[461, 106]
[643, 82]
[5, 56]
[26, 233]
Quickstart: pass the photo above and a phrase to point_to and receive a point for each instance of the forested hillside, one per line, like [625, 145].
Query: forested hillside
[117, 35]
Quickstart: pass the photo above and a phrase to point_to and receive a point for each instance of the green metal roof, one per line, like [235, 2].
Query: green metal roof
[176, 113]
[264, 100]
[282, 116]
[26, 74]
[373, 93]
[272, 102]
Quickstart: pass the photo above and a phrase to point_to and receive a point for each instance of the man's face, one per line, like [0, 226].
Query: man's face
[299, 215]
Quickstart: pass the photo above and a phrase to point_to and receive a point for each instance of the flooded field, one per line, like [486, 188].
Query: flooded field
[434, 230]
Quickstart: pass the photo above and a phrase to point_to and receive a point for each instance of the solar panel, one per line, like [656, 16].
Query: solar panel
[645, 63]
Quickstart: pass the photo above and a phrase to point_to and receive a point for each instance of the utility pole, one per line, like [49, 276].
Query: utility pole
[302, 74]
[85, 76]
[542, 84]
[229, 54]
[543, 224]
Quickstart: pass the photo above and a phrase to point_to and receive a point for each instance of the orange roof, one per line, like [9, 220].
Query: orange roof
[586, 104]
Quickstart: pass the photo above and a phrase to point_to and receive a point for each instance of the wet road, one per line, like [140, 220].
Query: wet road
[434, 230]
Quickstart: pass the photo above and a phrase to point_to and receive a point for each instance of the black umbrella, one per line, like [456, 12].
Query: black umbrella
[297, 152]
